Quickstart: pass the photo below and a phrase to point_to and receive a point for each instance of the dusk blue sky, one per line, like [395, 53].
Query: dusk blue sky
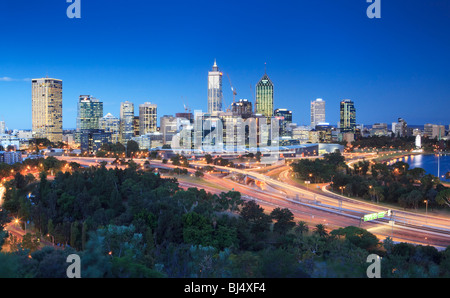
[161, 51]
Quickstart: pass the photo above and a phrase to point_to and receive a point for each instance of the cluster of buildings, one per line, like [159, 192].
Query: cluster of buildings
[95, 129]
[402, 129]
[242, 124]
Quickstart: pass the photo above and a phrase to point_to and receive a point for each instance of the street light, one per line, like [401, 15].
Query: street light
[426, 210]
[53, 238]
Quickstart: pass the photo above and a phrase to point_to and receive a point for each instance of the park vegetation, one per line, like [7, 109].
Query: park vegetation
[134, 223]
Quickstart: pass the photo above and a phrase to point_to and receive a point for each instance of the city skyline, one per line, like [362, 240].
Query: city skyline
[170, 69]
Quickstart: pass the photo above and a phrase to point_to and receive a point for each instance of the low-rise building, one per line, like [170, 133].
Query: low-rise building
[10, 157]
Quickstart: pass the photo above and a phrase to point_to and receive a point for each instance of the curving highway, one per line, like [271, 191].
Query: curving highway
[313, 205]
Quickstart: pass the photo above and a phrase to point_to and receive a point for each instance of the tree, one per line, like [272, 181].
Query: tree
[301, 228]
[30, 242]
[4, 220]
[199, 174]
[230, 201]
[443, 197]
[358, 237]
[197, 229]
[256, 225]
[321, 231]
[9, 266]
[74, 235]
[128, 267]
[132, 147]
[118, 239]
[95, 264]
[254, 214]
[208, 158]
[411, 199]
[284, 220]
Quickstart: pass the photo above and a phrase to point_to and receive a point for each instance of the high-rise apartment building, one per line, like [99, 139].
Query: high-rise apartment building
[47, 118]
[264, 96]
[90, 111]
[348, 116]
[126, 121]
[317, 112]
[215, 94]
[147, 118]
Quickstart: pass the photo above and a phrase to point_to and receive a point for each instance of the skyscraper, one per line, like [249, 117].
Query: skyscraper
[348, 116]
[147, 118]
[215, 95]
[264, 96]
[285, 117]
[46, 98]
[90, 111]
[317, 112]
[126, 121]
[111, 124]
[168, 127]
[242, 108]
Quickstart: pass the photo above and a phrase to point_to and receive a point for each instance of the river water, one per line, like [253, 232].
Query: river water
[431, 163]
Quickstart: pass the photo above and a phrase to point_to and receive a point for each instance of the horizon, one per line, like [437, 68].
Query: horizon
[161, 53]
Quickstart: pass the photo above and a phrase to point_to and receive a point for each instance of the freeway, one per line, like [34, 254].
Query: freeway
[409, 226]
[314, 206]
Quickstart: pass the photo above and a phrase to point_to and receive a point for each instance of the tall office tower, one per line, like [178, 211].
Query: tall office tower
[215, 95]
[264, 96]
[126, 121]
[2, 127]
[90, 111]
[147, 118]
[168, 127]
[285, 118]
[47, 118]
[111, 124]
[348, 116]
[136, 126]
[317, 112]
[242, 108]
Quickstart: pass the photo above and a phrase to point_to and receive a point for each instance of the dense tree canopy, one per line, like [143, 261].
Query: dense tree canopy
[134, 223]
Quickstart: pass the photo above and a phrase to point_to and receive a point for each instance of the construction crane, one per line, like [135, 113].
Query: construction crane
[232, 89]
[186, 108]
